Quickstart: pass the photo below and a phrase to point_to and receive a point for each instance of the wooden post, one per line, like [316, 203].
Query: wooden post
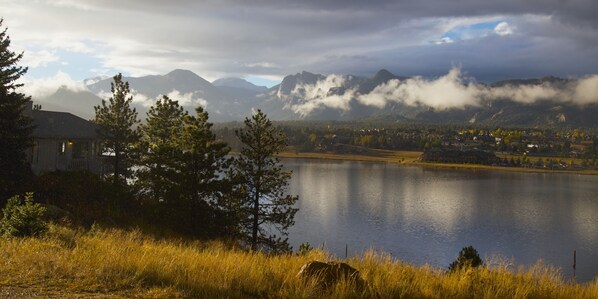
[574, 262]
[346, 250]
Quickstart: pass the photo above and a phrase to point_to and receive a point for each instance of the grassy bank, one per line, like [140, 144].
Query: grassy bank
[412, 159]
[117, 264]
[401, 157]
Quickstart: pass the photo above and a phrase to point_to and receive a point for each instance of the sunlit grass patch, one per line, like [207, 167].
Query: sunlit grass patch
[121, 264]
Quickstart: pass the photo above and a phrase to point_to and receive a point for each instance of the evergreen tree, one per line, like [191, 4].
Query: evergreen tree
[201, 162]
[117, 121]
[15, 127]
[264, 206]
[159, 152]
[22, 218]
[468, 258]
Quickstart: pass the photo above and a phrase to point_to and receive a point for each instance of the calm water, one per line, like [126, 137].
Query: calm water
[427, 215]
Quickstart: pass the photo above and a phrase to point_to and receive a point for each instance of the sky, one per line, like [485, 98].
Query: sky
[66, 41]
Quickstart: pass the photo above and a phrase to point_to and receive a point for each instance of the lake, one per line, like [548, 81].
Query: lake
[426, 215]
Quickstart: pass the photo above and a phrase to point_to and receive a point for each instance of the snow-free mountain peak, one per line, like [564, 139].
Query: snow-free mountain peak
[239, 83]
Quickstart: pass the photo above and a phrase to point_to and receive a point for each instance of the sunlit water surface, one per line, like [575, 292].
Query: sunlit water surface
[423, 215]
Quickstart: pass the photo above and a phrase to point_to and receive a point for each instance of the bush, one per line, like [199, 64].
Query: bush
[22, 217]
[468, 258]
[305, 248]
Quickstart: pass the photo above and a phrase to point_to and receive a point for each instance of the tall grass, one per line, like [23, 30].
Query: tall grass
[114, 263]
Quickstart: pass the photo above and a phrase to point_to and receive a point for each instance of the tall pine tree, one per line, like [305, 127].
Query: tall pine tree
[200, 173]
[159, 152]
[117, 121]
[267, 212]
[15, 127]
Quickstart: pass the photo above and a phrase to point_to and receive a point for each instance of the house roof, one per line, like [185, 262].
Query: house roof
[50, 124]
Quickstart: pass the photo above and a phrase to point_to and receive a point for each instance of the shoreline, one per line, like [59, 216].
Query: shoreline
[409, 158]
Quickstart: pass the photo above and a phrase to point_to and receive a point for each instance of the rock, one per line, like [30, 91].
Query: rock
[56, 214]
[330, 273]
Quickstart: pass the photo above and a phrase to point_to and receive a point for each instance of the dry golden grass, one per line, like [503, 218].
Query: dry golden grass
[116, 264]
[401, 157]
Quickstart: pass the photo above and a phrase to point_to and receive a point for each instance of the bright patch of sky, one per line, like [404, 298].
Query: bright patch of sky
[470, 31]
[79, 65]
[260, 81]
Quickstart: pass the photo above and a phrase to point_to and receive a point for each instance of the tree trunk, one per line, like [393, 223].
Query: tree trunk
[116, 167]
[256, 209]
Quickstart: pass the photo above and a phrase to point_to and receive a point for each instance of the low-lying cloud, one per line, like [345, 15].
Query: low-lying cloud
[451, 91]
[187, 99]
[448, 91]
[320, 95]
[44, 87]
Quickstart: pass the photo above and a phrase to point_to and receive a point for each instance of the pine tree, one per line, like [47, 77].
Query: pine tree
[159, 152]
[15, 127]
[263, 185]
[468, 258]
[117, 121]
[201, 164]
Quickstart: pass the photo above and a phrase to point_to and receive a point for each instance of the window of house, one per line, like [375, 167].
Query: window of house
[61, 147]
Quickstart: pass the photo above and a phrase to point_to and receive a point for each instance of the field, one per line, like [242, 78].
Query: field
[412, 158]
[111, 263]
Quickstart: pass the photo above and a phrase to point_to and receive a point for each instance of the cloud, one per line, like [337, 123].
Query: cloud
[140, 99]
[41, 58]
[586, 91]
[271, 39]
[321, 95]
[187, 99]
[503, 28]
[444, 40]
[529, 93]
[276, 38]
[264, 64]
[43, 87]
[450, 91]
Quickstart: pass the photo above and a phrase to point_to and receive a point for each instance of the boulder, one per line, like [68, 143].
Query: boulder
[56, 214]
[330, 273]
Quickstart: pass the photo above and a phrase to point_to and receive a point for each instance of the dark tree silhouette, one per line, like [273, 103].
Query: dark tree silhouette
[15, 126]
[201, 160]
[117, 121]
[158, 150]
[263, 202]
[468, 257]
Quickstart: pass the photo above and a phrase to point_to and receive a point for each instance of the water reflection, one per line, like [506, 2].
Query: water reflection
[427, 215]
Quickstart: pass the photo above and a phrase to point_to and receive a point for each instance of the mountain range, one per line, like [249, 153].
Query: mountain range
[384, 97]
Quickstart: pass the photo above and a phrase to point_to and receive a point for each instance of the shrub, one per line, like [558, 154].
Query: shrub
[468, 258]
[22, 217]
[305, 248]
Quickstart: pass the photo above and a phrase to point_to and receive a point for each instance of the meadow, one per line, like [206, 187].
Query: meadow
[113, 263]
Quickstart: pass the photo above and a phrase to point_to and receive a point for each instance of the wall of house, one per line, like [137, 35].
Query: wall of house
[46, 157]
[49, 155]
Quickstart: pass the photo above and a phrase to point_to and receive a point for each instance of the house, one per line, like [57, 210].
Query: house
[63, 141]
